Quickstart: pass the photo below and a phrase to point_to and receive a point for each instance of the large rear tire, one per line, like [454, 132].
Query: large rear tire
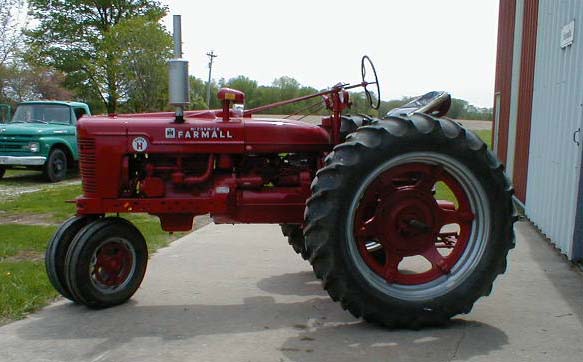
[106, 263]
[382, 243]
[350, 123]
[295, 238]
[2, 172]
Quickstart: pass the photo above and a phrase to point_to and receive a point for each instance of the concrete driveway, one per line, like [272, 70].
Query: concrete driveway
[239, 293]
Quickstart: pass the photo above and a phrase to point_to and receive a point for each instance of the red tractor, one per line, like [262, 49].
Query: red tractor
[358, 197]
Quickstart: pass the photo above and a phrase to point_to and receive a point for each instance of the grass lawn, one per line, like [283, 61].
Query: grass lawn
[22, 177]
[49, 202]
[486, 136]
[24, 286]
[14, 173]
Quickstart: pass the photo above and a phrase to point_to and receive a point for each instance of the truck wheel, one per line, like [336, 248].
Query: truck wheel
[55, 168]
[295, 238]
[57, 252]
[2, 172]
[382, 243]
[106, 263]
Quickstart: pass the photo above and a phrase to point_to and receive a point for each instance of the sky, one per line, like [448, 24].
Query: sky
[416, 45]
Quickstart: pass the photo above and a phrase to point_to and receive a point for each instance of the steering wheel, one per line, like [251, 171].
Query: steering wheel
[365, 83]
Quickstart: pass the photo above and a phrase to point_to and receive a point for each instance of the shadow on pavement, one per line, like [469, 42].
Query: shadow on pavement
[363, 341]
[323, 339]
[120, 325]
[302, 284]
[326, 335]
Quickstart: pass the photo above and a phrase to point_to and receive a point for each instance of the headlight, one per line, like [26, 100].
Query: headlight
[32, 147]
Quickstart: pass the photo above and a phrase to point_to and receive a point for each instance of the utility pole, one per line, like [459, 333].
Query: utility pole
[211, 56]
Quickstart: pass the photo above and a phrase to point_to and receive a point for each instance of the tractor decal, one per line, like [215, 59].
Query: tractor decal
[140, 144]
[198, 133]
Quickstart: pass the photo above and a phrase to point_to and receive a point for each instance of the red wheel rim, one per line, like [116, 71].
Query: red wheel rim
[112, 264]
[399, 217]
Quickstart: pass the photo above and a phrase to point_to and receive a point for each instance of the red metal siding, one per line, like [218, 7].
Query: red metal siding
[527, 61]
[504, 71]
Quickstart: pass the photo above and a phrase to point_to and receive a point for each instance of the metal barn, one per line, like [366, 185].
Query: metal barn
[538, 113]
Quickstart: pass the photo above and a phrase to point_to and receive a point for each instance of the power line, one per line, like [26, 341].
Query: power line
[211, 56]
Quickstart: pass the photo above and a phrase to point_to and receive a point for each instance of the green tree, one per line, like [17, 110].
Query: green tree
[74, 36]
[284, 88]
[361, 105]
[143, 48]
[245, 85]
[11, 13]
[18, 84]
[22, 82]
[458, 108]
[197, 93]
[198, 89]
[386, 106]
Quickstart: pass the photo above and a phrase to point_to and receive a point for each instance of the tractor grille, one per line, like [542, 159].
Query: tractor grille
[87, 165]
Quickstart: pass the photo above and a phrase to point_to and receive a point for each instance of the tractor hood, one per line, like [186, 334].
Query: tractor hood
[271, 134]
[34, 129]
[209, 135]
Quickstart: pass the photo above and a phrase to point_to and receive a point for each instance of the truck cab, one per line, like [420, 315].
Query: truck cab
[42, 135]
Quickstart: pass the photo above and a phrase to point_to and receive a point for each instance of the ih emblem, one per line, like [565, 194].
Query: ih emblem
[140, 144]
[170, 132]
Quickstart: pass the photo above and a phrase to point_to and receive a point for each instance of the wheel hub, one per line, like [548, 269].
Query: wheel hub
[58, 165]
[113, 263]
[399, 217]
[411, 222]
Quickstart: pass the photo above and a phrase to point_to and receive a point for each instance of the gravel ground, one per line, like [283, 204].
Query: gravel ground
[12, 190]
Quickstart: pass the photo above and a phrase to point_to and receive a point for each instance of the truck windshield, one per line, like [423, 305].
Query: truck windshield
[42, 113]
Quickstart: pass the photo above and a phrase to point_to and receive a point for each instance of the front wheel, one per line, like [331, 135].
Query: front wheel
[2, 172]
[55, 168]
[57, 252]
[106, 263]
[410, 221]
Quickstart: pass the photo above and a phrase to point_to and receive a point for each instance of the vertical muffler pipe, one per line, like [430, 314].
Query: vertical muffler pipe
[178, 87]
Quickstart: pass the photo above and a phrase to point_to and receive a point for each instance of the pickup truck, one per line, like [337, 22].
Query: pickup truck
[42, 135]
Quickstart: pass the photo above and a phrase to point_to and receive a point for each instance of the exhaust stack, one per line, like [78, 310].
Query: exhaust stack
[178, 87]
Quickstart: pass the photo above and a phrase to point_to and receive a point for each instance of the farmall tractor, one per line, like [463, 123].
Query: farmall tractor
[356, 196]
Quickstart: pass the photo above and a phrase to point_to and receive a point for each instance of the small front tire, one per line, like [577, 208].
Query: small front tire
[57, 252]
[106, 263]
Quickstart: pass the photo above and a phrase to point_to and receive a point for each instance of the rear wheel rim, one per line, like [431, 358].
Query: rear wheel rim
[394, 216]
[112, 265]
